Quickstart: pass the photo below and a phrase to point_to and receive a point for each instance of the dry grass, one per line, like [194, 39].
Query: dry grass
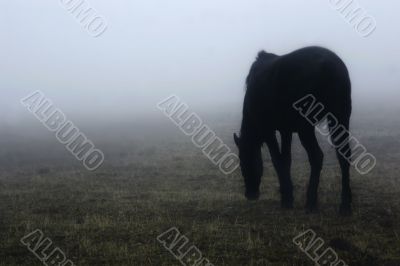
[113, 215]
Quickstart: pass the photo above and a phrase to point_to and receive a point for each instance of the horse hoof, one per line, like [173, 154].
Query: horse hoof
[312, 208]
[287, 204]
[345, 210]
[252, 196]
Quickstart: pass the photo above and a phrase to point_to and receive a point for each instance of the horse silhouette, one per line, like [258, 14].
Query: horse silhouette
[279, 89]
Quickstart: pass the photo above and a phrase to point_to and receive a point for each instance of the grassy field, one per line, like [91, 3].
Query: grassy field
[154, 179]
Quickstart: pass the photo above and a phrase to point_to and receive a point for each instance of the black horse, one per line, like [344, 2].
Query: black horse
[274, 84]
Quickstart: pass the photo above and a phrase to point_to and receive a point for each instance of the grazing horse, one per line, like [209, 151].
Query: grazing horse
[274, 84]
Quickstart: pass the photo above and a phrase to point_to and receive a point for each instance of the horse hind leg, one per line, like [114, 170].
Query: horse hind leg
[315, 156]
[340, 140]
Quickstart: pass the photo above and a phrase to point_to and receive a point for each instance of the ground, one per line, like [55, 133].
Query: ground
[154, 178]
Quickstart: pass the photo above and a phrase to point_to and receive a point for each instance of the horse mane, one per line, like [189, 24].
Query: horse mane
[261, 58]
[262, 55]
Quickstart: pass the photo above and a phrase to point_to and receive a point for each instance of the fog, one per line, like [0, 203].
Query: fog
[198, 50]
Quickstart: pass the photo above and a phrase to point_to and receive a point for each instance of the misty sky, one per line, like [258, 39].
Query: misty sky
[199, 50]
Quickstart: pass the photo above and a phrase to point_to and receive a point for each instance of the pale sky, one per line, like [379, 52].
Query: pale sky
[198, 50]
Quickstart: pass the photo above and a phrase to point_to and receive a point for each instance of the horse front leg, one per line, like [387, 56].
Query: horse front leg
[286, 183]
[281, 162]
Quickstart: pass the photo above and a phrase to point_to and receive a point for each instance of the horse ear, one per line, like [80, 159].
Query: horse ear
[236, 139]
